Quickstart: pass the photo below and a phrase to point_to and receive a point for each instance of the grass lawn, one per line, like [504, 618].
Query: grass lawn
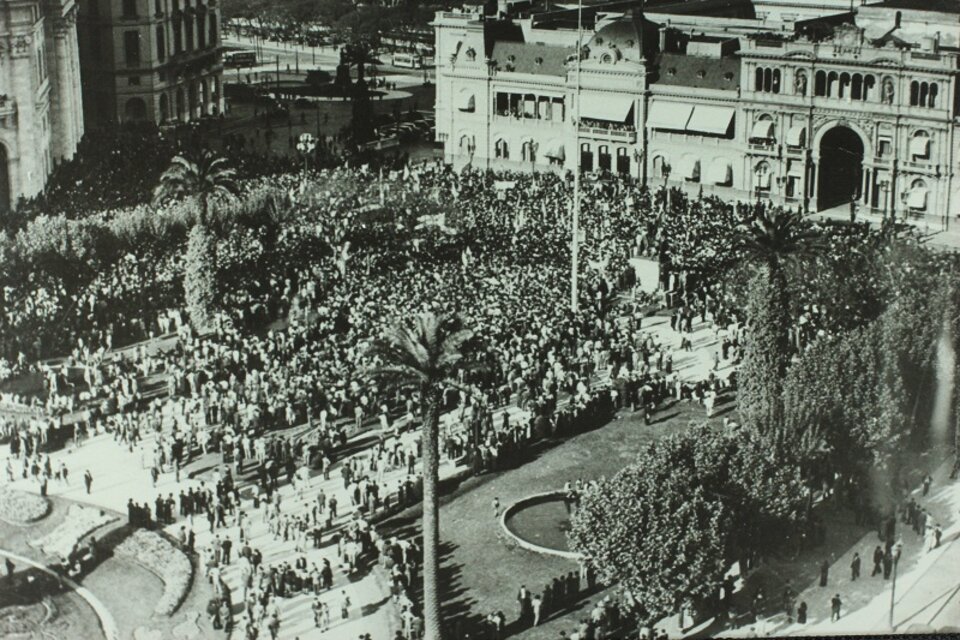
[481, 568]
[132, 606]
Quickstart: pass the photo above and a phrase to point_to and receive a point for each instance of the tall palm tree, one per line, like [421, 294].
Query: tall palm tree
[770, 241]
[203, 178]
[426, 353]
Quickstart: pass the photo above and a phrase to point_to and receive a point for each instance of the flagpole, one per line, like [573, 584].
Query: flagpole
[575, 240]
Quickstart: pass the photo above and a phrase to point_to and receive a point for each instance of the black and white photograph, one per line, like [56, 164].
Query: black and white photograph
[479, 320]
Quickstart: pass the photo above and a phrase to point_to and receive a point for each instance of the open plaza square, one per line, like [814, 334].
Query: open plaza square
[602, 321]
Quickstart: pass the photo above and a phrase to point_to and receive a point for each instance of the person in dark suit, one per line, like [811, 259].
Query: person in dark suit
[855, 567]
[523, 603]
[877, 561]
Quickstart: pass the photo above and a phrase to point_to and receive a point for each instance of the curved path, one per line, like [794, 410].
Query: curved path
[107, 623]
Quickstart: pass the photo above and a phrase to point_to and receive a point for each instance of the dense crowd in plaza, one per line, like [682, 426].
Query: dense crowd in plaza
[279, 383]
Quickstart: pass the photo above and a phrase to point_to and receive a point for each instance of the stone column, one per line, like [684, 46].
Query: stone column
[62, 104]
[26, 172]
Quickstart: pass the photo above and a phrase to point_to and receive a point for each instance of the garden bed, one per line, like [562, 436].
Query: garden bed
[19, 507]
[78, 523]
[162, 557]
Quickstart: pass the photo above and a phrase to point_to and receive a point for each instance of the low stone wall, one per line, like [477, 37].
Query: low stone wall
[523, 503]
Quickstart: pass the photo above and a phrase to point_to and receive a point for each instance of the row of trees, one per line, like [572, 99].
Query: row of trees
[852, 404]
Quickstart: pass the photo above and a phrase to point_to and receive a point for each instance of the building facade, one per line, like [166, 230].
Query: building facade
[815, 109]
[40, 98]
[150, 60]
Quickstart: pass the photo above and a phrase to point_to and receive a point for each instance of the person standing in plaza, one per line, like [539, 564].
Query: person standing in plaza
[855, 567]
[523, 604]
[877, 561]
[88, 480]
[835, 604]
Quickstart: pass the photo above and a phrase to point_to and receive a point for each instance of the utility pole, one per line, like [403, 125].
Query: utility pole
[575, 240]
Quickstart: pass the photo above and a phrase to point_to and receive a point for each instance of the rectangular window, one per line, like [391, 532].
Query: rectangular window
[503, 104]
[884, 147]
[161, 43]
[131, 48]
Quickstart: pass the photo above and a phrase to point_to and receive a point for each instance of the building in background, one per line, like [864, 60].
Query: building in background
[40, 99]
[810, 104]
[150, 60]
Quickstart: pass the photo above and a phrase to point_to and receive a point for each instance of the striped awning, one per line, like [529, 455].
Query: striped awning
[762, 130]
[669, 115]
[797, 136]
[711, 120]
[917, 199]
[721, 172]
[920, 147]
[689, 168]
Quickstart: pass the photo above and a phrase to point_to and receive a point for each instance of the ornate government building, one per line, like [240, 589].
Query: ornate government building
[815, 104]
[40, 101]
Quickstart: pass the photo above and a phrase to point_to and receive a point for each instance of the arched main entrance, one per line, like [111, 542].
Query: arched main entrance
[841, 168]
[4, 181]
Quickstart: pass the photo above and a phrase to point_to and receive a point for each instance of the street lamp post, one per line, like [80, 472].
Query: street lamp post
[575, 221]
[897, 548]
[665, 170]
[884, 191]
[305, 146]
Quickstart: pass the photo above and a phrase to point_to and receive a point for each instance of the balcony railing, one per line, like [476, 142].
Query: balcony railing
[763, 146]
[922, 165]
[8, 105]
[603, 133]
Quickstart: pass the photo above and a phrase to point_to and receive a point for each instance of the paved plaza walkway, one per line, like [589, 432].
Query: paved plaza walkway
[119, 475]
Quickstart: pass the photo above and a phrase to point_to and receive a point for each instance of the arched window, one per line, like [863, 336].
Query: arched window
[761, 174]
[623, 161]
[917, 195]
[914, 93]
[129, 8]
[924, 94]
[758, 79]
[820, 84]
[833, 81]
[869, 84]
[529, 151]
[776, 81]
[844, 89]
[501, 150]
[932, 97]
[586, 157]
[856, 87]
[603, 158]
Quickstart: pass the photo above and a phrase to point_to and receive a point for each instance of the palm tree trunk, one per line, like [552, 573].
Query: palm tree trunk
[204, 206]
[431, 516]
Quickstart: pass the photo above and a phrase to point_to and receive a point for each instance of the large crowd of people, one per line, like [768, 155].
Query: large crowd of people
[288, 352]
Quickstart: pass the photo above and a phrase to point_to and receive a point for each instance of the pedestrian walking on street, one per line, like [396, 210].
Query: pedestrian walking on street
[877, 561]
[88, 480]
[855, 567]
[835, 604]
[802, 613]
